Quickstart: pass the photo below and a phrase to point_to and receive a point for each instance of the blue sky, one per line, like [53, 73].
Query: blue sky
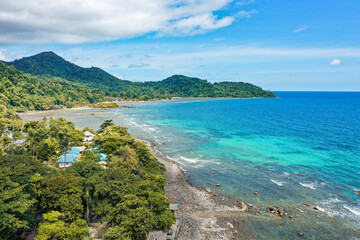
[278, 45]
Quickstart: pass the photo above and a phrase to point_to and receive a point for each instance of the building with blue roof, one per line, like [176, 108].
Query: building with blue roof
[72, 155]
[101, 158]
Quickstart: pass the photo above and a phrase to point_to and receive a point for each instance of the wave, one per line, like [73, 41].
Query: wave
[192, 160]
[277, 182]
[308, 185]
[354, 210]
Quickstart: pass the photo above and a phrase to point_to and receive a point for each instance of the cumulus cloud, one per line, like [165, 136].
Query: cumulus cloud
[301, 29]
[78, 21]
[335, 62]
[139, 65]
[2, 54]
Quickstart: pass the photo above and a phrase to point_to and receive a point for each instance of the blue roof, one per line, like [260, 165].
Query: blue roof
[103, 156]
[72, 155]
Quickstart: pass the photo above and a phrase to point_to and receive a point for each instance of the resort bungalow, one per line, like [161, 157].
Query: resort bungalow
[100, 157]
[72, 155]
[88, 136]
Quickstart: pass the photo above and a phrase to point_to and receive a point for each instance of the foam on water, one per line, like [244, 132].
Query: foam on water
[309, 185]
[277, 182]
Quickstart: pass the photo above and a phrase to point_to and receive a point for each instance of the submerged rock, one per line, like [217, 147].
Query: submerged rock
[256, 193]
[218, 185]
[358, 192]
[307, 204]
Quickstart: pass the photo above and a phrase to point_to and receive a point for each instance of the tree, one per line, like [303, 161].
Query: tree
[126, 158]
[105, 124]
[47, 148]
[77, 137]
[63, 193]
[138, 223]
[15, 206]
[53, 227]
[116, 233]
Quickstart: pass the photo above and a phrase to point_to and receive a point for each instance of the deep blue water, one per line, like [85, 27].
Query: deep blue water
[303, 147]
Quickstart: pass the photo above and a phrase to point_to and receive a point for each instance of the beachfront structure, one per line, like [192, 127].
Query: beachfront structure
[72, 155]
[101, 157]
[88, 136]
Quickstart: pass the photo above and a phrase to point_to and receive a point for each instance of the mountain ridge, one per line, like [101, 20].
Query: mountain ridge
[49, 65]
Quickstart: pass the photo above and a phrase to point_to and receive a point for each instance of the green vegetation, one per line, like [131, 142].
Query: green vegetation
[50, 65]
[105, 105]
[22, 92]
[128, 195]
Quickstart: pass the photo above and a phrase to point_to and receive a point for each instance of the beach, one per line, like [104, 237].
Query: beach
[202, 214]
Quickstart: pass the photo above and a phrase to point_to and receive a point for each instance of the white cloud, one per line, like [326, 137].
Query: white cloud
[2, 54]
[78, 21]
[301, 29]
[139, 65]
[244, 2]
[246, 14]
[335, 62]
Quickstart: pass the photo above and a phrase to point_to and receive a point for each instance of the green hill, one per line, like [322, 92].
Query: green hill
[48, 64]
[22, 92]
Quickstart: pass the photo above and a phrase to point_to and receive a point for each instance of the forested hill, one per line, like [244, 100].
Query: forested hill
[182, 86]
[49, 64]
[22, 92]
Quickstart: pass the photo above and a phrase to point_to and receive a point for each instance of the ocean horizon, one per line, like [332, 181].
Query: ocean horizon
[301, 148]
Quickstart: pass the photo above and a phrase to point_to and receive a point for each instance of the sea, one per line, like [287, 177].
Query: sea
[300, 148]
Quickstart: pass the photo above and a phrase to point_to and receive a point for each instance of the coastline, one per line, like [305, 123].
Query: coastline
[141, 101]
[203, 215]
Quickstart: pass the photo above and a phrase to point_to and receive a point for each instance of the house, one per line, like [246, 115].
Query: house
[88, 136]
[101, 158]
[72, 155]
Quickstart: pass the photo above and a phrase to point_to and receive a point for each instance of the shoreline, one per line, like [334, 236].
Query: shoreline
[203, 214]
[139, 101]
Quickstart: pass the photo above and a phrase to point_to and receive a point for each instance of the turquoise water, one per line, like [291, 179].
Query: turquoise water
[303, 147]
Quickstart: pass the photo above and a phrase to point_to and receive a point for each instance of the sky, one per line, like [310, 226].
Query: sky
[282, 45]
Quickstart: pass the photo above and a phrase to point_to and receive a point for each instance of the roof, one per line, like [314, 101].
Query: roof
[103, 156]
[173, 206]
[87, 133]
[72, 155]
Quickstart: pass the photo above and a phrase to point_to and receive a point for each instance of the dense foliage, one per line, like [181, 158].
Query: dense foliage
[105, 105]
[127, 196]
[49, 64]
[23, 92]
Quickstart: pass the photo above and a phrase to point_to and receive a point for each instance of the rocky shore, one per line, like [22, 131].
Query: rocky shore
[202, 214]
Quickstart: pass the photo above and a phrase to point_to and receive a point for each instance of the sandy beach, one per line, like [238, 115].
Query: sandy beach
[203, 215]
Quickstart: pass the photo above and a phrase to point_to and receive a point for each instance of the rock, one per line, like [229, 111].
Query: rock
[358, 192]
[256, 193]
[307, 204]
[218, 185]
[316, 208]
[301, 234]
[291, 217]
[241, 205]
[258, 213]
[282, 224]
[275, 210]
